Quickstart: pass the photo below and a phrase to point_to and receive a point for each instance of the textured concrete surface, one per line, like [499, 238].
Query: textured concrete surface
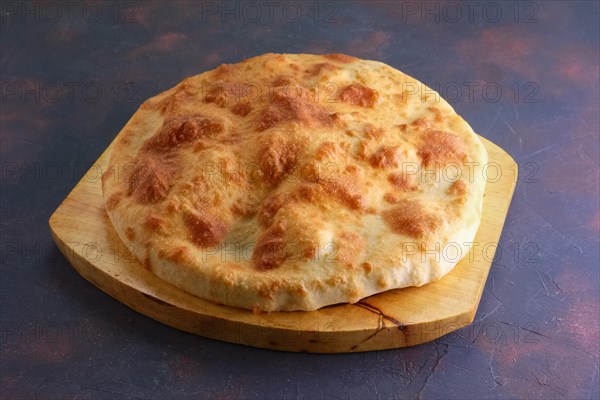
[525, 75]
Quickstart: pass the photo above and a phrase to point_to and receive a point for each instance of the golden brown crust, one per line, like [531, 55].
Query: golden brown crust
[130, 233]
[180, 131]
[319, 68]
[255, 185]
[151, 178]
[403, 182]
[278, 156]
[359, 95]
[242, 108]
[113, 200]
[154, 222]
[206, 228]
[341, 58]
[270, 251]
[297, 107]
[409, 217]
[440, 147]
[458, 188]
[385, 157]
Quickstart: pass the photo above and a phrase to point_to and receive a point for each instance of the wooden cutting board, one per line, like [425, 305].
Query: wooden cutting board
[396, 318]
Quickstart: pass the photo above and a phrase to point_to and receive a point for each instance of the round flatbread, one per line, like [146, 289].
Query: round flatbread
[295, 181]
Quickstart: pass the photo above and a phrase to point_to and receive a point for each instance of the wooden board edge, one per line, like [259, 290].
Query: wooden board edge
[508, 159]
[281, 338]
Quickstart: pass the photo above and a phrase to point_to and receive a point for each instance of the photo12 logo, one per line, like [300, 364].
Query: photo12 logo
[28, 92]
[452, 252]
[69, 12]
[455, 92]
[269, 11]
[492, 12]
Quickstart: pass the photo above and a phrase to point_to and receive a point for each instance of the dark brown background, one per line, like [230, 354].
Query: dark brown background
[71, 80]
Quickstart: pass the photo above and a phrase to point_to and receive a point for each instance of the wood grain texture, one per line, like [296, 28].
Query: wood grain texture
[397, 318]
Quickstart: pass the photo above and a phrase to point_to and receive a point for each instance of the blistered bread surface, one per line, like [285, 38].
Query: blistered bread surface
[296, 181]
